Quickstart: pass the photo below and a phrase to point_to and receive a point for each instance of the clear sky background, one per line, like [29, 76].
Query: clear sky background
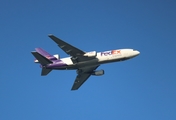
[143, 88]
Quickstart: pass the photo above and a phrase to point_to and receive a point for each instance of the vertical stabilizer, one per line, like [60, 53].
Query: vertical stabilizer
[46, 55]
[43, 52]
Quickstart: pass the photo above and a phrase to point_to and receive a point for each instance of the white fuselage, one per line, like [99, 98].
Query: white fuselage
[103, 57]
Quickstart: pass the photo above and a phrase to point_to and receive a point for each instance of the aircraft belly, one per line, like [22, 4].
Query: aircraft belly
[69, 67]
[87, 63]
[111, 59]
[78, 65]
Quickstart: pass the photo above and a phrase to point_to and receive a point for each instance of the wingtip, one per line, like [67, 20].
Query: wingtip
[73, 89]
[50, 35]
[33, 52]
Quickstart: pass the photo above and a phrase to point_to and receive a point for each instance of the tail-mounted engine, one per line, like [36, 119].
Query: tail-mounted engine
[57, 56]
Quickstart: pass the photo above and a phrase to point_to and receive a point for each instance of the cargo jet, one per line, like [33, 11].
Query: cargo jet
[85, 63]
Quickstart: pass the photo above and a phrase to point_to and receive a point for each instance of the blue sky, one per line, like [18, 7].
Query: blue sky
[143, 88]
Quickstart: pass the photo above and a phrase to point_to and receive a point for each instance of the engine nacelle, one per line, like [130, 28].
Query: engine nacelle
[57, 56]
[98, 72]
[91, 54]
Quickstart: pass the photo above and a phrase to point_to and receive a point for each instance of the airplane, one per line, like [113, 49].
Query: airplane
[85, 63]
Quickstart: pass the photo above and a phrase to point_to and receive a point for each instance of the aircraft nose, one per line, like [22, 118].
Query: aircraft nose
[137, 52]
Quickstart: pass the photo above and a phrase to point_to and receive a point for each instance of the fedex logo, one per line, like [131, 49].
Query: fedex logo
[106, 53]
[112, 52]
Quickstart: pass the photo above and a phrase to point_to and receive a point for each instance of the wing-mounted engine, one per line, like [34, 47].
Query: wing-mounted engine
[98, 72]
[91, 54]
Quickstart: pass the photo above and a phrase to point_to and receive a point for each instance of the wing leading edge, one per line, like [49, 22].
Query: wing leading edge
[82, 77]
[76, 54]
[69, 49]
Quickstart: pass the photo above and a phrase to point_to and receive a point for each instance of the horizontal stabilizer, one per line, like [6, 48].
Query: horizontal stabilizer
[43, 60]
[45, 71]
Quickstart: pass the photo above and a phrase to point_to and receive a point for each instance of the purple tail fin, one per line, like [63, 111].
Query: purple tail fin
[45, 54]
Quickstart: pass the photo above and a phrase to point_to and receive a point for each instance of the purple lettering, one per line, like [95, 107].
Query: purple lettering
[106, 53]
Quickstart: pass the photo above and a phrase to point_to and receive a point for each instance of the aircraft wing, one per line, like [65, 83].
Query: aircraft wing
[83, 76]
[69, 49]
